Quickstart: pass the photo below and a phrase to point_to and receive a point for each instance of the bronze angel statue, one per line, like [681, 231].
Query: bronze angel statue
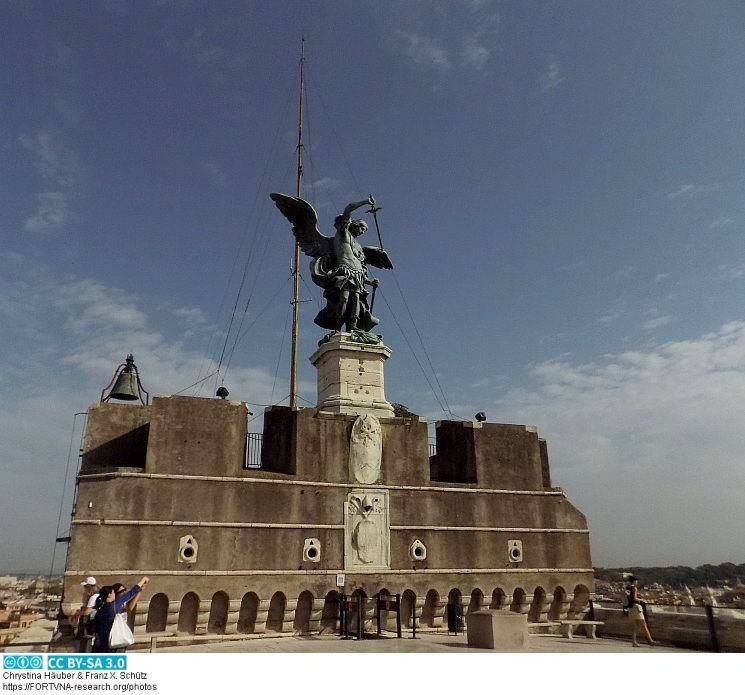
[339, 264]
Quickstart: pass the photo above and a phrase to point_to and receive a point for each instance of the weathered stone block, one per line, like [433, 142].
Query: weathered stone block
[502, 630]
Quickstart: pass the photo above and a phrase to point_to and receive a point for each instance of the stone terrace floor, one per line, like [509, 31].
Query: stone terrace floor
[547, 664]
[426, 643]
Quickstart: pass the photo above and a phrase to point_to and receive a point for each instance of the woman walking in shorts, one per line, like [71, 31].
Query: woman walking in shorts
[636, 612]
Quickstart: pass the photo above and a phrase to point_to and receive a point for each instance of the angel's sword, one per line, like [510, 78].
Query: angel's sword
[374, 212]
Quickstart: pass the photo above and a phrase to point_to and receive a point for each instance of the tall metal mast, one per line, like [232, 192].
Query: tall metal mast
[296, 264]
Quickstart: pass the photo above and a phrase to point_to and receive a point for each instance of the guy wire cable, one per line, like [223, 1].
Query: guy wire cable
[270, 162]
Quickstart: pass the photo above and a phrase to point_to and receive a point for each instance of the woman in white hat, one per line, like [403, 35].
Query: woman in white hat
[88, 607]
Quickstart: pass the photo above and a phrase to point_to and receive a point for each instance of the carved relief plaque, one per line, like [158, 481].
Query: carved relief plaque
[367, 531]
[366, 449]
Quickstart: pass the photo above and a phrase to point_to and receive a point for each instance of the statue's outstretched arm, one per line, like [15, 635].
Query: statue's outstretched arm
[354, 206]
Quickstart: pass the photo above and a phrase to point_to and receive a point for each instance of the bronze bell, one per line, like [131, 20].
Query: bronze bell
[127, 385]
[125, 388]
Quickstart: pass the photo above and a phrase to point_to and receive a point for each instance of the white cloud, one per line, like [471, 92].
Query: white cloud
[225, 70]
[193, 317]
[60, 168]
[681, 190]
[216, 174]
[732, 272]
[721, 222]
[687, 190]
[11, 257]
[478, 45]
[617, 310]
[474, 52]
[657, 322]
[52, 212]
[426, 52]
[324, 183]
[478, 5]
[54, 161]
[628, 271]
[441, 36]
[487, 381]
[552, 78]
[649, 445]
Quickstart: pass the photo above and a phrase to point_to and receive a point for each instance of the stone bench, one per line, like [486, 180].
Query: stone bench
[568, 627]
[544, 628]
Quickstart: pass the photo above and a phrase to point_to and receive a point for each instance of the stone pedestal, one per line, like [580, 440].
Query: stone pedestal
[501, 630]
[350, 377]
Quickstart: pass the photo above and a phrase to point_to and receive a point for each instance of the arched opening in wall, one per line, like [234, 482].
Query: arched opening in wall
[157, 614]
[387, 618]
[247, 614]
[187, 615]
[557, 605]
[536, 606]
[579, 602]
[429, 610]
[407, 607]
[218, 614]
[360, 597]
[301, 623]
[518, 599]
[276, 616]
[497, 599]
[477, 600]
[455, 603]
[330, 614]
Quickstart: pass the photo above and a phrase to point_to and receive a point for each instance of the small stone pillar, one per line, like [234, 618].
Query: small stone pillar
[524, 607]
[172, 616]
[231, 621]
[316, 613]
[565, 605]
[288, 619]
[140, 617]
[262, 614]
[439, 612]
[350, 376]
[539, 608]
[418, 609]
[203, 617]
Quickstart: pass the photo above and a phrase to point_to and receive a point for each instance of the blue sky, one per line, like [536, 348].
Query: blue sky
[561, 187]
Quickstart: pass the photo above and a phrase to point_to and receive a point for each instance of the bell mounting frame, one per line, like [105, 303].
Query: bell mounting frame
[126, 370]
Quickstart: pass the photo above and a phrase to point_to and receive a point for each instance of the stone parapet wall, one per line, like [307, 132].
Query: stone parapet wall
[306, 602]
[254, 524]
[227, 547]
[116, 435]
[679, 626]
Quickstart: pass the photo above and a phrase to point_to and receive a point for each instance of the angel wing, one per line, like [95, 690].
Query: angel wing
[377, 257]
[304, 222]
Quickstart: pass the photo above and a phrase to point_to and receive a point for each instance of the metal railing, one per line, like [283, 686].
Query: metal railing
[253, 450]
